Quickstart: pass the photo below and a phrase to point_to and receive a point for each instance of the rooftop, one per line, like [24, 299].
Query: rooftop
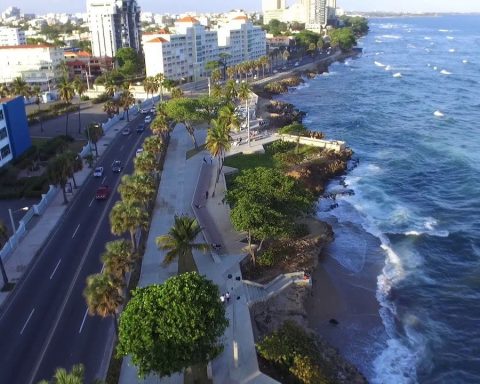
[27, 46]
[158, 40]
[187, 19]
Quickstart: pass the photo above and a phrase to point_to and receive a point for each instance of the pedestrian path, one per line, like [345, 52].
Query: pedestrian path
[17, 262]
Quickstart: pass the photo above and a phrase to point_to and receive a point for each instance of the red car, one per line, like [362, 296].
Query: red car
[102, 192]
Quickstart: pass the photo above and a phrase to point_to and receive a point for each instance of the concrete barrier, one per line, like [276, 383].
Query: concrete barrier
[334, 145]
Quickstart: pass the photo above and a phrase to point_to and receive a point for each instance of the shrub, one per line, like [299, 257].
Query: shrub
[84, 98]
[35, 186]
[288, 158]
[267, 258]
[279, 146]
[100, 98]
[276, 88]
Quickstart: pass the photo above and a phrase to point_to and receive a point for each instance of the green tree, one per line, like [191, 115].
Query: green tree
[110, 87]
[65, 92]
[127, 99]
[230, 91]
[170, 327]
[127, 60]
[153, 144]
[160, 83]
[118, 259]
[146, 162]
[103, 296]
[266, 203]
[179, 243]
[80, 87]
[138, 188]
[176, 93]
[343, 38]
[218, 142]
[58, 171]
[184, 110]
[94, 133]
[126, 217]
[75, 164]
[61, 376]
[228, 118]
[37, 93]
[160, 126]
[110, 108]
[20, 87]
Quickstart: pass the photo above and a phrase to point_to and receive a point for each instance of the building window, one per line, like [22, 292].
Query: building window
[3, 133]
[1, 115]
[5, 151]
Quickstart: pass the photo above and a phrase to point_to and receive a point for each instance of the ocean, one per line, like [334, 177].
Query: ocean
[409, 107]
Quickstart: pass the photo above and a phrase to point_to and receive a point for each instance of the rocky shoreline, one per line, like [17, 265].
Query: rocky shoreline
[292, 303]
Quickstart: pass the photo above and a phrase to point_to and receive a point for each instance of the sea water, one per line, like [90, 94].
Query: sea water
[417, 187]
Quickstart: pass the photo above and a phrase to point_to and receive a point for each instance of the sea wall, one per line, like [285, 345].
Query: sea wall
[334, 145]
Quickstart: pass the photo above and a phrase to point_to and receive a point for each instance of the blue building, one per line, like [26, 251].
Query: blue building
[14, 133]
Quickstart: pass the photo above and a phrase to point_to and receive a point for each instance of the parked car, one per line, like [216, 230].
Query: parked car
[102, 192]
[297, 64]
[117, 166]
[148, 119]
[153, 111]
[98, 172]
[144, 110]
[140, 128]
[139, 151]
[126, 131]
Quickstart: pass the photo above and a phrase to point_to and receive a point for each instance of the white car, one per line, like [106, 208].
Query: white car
[98, 172]
[148, 119]
[139, 151]
[144, 110]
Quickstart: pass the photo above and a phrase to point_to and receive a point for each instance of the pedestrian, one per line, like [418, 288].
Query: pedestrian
[227, 296]
[211, 160]
[206, 195]
[204, 160]
[222, 299]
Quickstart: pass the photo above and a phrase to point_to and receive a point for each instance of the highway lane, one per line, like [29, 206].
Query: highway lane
[26, 324]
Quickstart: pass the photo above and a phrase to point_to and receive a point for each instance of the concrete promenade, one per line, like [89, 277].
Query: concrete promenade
[182, 187]
[17, 263]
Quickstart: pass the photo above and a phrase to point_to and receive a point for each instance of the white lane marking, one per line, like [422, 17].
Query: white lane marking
[103, 181]
[29, 317]
[83, 321]
[91, 202]
[55, 270]
[74, 233]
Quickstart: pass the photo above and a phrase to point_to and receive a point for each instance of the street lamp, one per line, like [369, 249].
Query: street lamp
[2, 266]
[11, 216]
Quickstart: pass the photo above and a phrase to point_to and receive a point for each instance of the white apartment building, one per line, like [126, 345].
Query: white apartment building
[183, 55]
[114, 24]
[12, 36]
[36, 64]
[242, 40]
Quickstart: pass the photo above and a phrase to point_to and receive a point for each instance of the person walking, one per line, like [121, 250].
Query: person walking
[222, 299]
[206, 195]
[204, 160]
[227, 296]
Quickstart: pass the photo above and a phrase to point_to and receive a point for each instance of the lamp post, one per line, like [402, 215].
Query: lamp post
[14, 229]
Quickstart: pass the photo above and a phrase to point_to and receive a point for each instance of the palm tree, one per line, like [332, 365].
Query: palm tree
[66, 92]
[94, 132]
[159, 81]
[147, 85]
[244, 94]
[110, 87]
[138, 189]
[231, 72]
[37, 93]
[58, 171]
[110, 108]
[127, 99]
[160, 126]
[5, 90]
[153, 144]
[217, 91]
[118, 259]
[103, 297]
[80, 87]
[75, 164]
[146, 162]
[264, 60]
[286, 55]
[176, 93]
[218, 141]
[3, 240]
[228, 117]
[126, 217]
[179, 243]
[20, 87]
[230, 90]
[62, 67]
[61, 376]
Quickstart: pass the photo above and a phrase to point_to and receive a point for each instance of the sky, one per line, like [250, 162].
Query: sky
[163, 6]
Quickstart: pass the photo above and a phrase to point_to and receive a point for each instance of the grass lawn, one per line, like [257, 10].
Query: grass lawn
[241, 161]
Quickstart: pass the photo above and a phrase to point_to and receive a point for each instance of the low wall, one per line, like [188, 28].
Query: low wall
[334, 145]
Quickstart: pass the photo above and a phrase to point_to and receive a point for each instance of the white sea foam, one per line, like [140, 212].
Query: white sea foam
[451, 50]
[388, 68]
[427, 38]
[378, 41]
[398, 74]
[435, 68]
[465, 61]
[450, 38]
[378, 64]
[445, 72]
[444, 30]
[395, 37]
[438, 114]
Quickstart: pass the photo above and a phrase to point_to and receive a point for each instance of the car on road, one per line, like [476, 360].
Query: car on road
[297, 64]
[153, 111]
[126, 131]
[144, 111]
[102, 192]
[98, 172]
[275, 71]
[148, 119]
[117, 166]
[139, 151]
[140, 128]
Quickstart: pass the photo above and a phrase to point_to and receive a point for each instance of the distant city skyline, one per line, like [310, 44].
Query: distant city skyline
[61, 6]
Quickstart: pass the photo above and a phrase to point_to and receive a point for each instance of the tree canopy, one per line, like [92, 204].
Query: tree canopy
[127, 59]
[276, 27]
[305, 38]
[343, 38]
[358, 24]
[167, 328]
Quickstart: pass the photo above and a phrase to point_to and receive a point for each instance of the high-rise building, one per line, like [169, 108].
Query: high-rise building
[270, 5]
[114, 24]
[317, 15]
[12, 36]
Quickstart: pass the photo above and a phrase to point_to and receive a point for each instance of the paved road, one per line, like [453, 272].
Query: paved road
[44, 325]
